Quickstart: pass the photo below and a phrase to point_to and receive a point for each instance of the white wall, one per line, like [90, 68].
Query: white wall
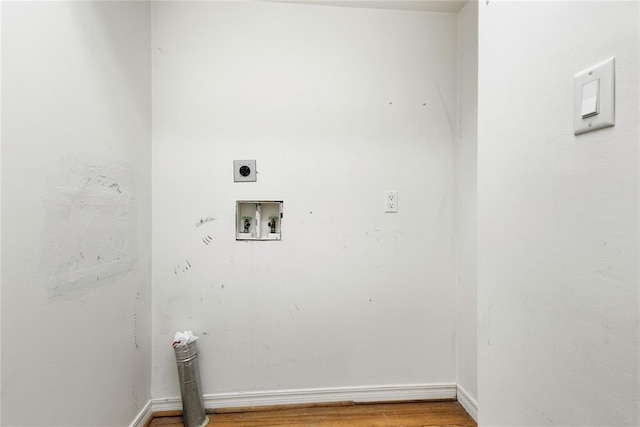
[337, 105]
[465, 206]
[0, 214]
[558, 219]
[75, 212]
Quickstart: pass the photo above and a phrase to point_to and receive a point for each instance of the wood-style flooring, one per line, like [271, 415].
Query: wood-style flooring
[339, 414]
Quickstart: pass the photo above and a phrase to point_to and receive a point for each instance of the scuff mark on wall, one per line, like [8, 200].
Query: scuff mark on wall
[447, 113]
[135, 323]
[204, 221]
[89, 237]
[134, 395]
[115, 186]
[182, 268]
[135, 330]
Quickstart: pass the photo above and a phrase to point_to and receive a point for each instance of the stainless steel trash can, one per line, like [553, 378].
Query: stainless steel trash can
[193, 413]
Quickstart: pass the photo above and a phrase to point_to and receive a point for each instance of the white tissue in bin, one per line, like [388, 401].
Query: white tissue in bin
[183, 338]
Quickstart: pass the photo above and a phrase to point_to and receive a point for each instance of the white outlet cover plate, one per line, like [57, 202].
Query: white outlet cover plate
[605, 73]
[244, 171]
[388, 196]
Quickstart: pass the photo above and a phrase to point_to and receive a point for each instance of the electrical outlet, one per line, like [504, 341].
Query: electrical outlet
[390, 201]
[244, 170]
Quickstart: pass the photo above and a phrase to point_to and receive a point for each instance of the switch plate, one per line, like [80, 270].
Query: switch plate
[594, 97]
[390, 201]
[244, 170]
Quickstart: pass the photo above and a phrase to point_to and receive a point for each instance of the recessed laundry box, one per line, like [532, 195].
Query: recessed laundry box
[259, 220]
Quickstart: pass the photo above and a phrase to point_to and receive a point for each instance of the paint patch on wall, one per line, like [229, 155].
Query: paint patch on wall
[89, 236]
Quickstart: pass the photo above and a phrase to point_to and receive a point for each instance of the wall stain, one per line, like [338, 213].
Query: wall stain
[207, 240]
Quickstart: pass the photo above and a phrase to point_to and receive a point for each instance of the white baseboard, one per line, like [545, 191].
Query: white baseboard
[143, 416]
[469, 405]
[287, 397]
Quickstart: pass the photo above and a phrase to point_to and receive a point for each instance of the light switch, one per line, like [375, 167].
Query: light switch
[594, 97]
[590, 93]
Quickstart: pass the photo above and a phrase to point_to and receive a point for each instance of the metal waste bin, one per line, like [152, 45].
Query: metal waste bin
[193, 413]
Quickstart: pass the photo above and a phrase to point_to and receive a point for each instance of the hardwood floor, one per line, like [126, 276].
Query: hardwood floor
[340, 414]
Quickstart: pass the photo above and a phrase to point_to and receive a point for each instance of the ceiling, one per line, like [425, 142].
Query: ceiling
[449, 6]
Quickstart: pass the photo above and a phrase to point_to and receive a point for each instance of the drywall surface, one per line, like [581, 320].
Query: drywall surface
[75, 212]
[337, 105]
[557, 219]
[465, 206]
[0, 213]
